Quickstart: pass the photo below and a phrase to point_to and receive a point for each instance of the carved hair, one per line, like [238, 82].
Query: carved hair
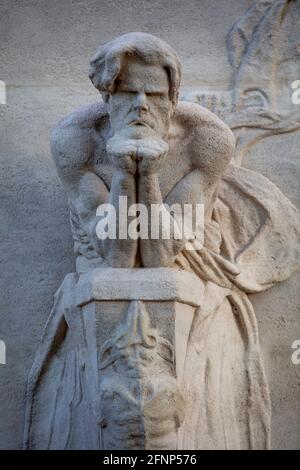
[106, 64]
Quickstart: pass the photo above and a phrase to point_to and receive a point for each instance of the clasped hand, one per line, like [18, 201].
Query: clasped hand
[137, 156]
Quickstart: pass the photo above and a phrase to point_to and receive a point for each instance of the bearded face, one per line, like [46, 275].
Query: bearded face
[140, 105]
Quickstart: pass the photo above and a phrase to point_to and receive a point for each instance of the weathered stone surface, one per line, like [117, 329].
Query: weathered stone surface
[28, 167]
[263, 50]
[142, 145]
[130, 355]
[152, 284]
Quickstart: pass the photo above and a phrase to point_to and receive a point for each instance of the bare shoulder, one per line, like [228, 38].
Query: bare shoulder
[199, 120]
[211, 142]
[73, 139]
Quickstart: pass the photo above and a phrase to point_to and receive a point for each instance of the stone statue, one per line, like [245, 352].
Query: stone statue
[153, 342]
[139, 130]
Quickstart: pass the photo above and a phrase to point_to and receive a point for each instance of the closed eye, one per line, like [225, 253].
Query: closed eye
[155, 93]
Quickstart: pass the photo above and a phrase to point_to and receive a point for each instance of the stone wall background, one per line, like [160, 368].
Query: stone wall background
[45, 49]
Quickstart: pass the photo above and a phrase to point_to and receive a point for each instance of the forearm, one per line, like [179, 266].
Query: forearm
[161, 246]
[118, 249]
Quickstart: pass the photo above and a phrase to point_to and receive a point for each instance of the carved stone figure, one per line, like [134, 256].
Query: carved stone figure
[151, 344]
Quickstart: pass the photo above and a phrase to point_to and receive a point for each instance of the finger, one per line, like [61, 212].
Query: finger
[145, 152]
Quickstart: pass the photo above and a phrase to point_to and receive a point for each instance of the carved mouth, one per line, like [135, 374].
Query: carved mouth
[139, 123]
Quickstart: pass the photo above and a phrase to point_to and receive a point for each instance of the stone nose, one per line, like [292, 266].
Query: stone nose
[141, 102]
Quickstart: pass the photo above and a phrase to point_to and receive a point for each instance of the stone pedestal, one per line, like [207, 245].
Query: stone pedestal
[138, 321]
[108, 373]
[168, 297]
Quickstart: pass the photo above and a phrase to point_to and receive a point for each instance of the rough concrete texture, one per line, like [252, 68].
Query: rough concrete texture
[44, 60]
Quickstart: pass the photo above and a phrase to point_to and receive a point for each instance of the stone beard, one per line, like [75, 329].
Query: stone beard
[151, 345]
